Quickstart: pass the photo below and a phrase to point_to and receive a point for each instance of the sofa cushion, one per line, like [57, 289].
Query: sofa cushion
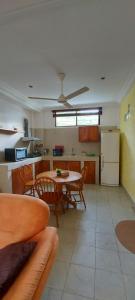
[12, 259]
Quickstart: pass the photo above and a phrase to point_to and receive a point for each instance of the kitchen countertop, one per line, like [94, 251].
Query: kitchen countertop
[17, 164]
[76, 157]
[7, 167]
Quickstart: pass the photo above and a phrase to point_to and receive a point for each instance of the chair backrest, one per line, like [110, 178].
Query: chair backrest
[46, 189]
[83, 173]
[25, 173]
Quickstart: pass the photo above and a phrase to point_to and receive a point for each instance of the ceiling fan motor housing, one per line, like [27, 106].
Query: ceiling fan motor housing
[61, 98]
[64, 99]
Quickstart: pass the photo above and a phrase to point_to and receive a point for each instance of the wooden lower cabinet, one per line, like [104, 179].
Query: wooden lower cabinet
[74, 166]
[67, 165]
[91, 171]
[59, 164]
[17, 181]
[42, 166]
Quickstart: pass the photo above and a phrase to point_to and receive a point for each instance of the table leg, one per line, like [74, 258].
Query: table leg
[68, 200]
[66, 197]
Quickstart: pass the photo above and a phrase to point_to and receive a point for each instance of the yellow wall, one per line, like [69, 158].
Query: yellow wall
[127, 161]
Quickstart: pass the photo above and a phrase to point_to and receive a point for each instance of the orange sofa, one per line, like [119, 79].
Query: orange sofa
[24, 218]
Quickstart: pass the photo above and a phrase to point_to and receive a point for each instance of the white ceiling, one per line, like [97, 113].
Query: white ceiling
[85, 39]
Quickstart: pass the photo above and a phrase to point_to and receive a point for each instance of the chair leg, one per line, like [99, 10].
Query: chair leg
[82, 198]
[70, 201]
[62, 202]
[31, 191]
[62, 206]
[68, 196]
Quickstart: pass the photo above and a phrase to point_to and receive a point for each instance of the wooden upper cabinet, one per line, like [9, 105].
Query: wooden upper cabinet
[89, 134]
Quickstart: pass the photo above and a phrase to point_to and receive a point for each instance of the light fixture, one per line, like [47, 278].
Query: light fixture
[127, 115]
[102, 77]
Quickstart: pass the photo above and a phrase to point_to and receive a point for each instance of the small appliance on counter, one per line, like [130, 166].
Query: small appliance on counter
[15, 154]
[58, 150]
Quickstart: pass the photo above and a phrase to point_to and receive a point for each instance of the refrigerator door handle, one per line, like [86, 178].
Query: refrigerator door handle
[102, 162]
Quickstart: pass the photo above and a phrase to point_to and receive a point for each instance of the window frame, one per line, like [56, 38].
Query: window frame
[77, 112]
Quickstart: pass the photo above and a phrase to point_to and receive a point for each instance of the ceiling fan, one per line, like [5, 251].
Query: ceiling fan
[62, 98]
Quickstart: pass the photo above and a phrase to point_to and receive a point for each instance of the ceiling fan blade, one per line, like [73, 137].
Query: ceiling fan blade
[67, 105]
[40, 98]
[77, 93]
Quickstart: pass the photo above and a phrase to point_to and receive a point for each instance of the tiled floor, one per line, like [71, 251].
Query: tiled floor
[91, 264]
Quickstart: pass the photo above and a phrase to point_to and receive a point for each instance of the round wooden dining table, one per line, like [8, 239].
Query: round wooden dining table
[72, 177]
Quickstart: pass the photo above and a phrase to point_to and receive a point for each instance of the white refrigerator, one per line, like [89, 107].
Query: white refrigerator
[110, 141]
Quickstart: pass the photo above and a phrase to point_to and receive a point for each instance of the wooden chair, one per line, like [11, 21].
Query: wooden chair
[76, 188]
[26, 175]
[47, 190]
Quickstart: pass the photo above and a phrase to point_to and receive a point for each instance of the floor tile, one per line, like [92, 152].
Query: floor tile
[109, 286]
[85, 224]
[80, 281]
[73, 297]
[104, 217]
[65, 251]
[84, 255]
[85, 237]
[108, 260]
[51, 294]
[106, 241]
[105, 227]
[127, 263]
[66, 235]
[130, 287]
[81, 233]
[69, 223]
[58, 275]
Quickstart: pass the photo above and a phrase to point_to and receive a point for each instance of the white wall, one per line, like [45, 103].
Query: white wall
[11, 116]
[110, 117]
[43, 120]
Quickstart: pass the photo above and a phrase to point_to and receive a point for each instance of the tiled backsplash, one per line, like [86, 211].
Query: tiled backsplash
[68, 137]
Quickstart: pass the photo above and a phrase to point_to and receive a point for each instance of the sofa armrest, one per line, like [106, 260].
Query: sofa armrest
[27, 282]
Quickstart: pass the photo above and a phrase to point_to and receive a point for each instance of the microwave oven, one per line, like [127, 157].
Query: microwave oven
[15, 154]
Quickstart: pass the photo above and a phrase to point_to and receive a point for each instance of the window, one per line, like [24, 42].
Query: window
[78, 117]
